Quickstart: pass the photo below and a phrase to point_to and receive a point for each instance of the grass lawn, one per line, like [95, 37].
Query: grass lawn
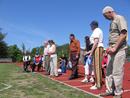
[30, 85]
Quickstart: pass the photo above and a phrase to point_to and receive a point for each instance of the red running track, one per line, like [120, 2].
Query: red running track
[76, 83]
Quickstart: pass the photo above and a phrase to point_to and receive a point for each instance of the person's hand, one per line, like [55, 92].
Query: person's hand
[107, 50]
[90, 55]
[77, 56]
[48, 53]
[111, 50]
[84, 54]
[89, 52]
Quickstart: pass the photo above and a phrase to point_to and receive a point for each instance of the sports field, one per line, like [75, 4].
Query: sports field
[14, 83]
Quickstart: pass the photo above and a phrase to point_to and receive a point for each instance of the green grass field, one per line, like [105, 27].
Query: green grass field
[33, 85]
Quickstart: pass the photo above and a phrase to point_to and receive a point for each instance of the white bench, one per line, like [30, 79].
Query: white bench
[5, 60]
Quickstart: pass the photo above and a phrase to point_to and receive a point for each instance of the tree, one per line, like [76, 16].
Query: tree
[63, 50]
[33, 52]
[15, 53]
[3, 46]
[41, 49]
[128, 53]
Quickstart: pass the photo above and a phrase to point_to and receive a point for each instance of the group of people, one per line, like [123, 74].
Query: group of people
[47, 61]
[50, 58]
[36, 62]
[113, 58]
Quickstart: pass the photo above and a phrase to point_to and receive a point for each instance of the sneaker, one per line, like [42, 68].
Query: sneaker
[56, 75]
[84, 80]
[118, 96]
[73, 77]
[94, 87]
[51, 76]
[107, 94]
[34, 72]
[91, 79]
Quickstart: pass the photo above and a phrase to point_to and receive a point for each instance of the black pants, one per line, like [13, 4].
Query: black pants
[25, 65]
[39, 65]
[74, 61]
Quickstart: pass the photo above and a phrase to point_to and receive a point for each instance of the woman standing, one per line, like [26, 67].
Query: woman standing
[97, 53]
[53, 59]
[88, 62]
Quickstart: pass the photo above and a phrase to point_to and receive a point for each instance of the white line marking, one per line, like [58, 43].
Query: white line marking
[7, 86]
[96, 95]
[127, 90]
[84, 85]
[71, 80]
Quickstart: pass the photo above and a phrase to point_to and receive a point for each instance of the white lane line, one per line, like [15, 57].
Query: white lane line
[76, 88]
[96, 95]
[84, 85]
[7, 86]
[71, 80]
[127, 90]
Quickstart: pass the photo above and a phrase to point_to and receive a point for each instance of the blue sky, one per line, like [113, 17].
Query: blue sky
[34, 21]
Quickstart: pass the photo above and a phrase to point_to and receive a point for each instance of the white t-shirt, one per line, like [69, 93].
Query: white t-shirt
[52, 49]
[46, 50]
[97, 33]
[26, 58]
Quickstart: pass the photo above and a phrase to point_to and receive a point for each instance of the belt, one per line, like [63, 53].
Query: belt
[53, 53]
[73, 51]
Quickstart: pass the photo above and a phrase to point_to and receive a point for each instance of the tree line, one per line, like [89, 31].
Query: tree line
[14, 52]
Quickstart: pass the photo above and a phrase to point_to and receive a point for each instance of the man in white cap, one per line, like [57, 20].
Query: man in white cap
[118, 36]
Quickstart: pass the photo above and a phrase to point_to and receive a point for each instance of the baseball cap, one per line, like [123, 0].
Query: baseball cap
[107, 9]
[94, 23]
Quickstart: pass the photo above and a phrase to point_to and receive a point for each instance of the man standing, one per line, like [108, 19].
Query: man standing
[74, 55]
[46, 57]
[118, 36]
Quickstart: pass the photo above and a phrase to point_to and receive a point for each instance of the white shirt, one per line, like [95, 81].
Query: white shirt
[46, 49]
[26, 58]
[52, 49]
[97, 33]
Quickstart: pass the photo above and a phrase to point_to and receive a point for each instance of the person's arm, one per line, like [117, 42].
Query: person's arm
[78, 45]
[121, 38]
[69, 50]
[86, 53]
[96, 40]
[78, 51]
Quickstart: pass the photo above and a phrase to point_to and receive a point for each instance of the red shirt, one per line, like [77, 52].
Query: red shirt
[105, 60]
